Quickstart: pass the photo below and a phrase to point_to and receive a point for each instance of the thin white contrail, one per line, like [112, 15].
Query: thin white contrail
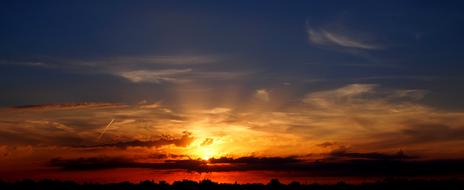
[104, 130]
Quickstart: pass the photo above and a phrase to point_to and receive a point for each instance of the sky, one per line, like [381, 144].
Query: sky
[221, 89]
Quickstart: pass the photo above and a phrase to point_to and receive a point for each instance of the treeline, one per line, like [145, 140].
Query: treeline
[386, 184]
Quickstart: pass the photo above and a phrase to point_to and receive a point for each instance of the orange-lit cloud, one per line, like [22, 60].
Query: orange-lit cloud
[262, 94]
[352, 121]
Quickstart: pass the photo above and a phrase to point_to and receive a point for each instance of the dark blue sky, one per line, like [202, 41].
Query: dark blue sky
[130, 51]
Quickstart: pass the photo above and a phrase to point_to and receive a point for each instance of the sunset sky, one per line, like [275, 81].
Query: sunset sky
[216, 89]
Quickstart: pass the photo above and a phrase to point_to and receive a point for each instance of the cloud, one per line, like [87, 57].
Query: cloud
[155, 76]
[185, 140]
[348, 93]
[382, 119]
[262, 94]
[161, 156]
[414, 94]
[215, 165]
[327, 38]
[370, 119]
[369, 167]
[430, 132]
[143, 68]
[326, 144]
[207, 142]
[80, 124]
[85, 105]
[176, 75]
[255, 160]
[97, 163]
[149, 106]
[343, 153]
[365, 97]
[160, 59]
[38, 133]
[218, 110]
[117, 62]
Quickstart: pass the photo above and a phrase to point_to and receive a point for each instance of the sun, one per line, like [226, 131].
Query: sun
[206, 153]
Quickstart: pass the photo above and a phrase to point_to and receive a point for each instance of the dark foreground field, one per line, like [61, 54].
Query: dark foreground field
[207, 184]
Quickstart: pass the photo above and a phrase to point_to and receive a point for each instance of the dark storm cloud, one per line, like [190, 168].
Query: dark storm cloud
[238, 164]
[345, 154]
[369, 167]
[169, 156]
[96, 163]
[255, 160]
[390, 168]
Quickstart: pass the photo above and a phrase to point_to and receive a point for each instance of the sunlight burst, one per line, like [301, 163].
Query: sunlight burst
[206, 153]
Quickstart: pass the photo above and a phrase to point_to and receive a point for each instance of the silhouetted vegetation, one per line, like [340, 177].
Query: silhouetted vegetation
[274, 184]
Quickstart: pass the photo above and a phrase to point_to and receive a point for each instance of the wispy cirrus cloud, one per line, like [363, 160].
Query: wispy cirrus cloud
[83, 105]
[162, 59]
[143, 68]
[177, 75]
[325, 37]
[133, 61]
[333, 97]
[155, 76]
